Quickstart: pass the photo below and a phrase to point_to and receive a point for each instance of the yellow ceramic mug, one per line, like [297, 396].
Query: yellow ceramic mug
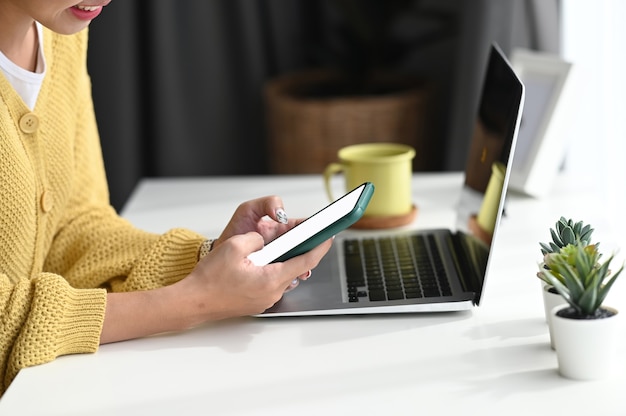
[387, 165]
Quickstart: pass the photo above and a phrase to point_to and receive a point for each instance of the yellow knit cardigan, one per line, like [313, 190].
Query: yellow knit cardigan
[62, 245]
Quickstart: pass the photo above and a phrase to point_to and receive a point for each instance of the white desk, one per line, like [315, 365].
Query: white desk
[494, 360]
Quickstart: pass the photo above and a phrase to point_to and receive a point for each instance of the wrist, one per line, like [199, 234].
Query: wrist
[153, 311]
[191, 301]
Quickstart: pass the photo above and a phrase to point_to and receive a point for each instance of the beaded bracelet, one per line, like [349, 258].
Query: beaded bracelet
[205, 248]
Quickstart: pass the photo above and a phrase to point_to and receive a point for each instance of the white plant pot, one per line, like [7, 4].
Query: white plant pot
[551, 301]
[586, 349]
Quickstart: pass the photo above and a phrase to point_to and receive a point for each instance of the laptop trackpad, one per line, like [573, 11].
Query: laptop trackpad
[321, 291]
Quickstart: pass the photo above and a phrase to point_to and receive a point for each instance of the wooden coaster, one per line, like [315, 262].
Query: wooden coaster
[378, 222]
[477, 230]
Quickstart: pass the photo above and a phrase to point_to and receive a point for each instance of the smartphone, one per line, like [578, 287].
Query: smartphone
[319, 227]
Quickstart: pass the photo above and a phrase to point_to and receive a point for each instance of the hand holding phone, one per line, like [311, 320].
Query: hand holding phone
[335, 217]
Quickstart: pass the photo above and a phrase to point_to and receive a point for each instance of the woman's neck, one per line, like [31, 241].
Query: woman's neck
[22, 49]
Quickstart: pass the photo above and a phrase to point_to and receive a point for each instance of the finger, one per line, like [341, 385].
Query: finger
[305, 276]
[273, 207]
[306, 261]
[281, 273]
[292, 285]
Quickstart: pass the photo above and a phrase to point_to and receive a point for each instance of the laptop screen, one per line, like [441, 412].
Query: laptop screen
[496, 123]
[487, 168]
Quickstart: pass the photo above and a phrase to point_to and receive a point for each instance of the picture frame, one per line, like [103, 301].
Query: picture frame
[544, 129]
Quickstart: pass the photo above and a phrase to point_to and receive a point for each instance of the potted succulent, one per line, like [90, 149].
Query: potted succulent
[584, 330]
[566, 232]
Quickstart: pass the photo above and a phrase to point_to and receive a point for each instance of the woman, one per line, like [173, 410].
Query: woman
[73, 274]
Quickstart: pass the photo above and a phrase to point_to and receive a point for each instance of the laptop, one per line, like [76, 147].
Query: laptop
[425, 270]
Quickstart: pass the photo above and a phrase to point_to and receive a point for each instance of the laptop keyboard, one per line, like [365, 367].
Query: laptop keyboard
[393, 268]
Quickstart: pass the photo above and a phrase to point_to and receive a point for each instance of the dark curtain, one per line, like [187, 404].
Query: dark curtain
[178, 84]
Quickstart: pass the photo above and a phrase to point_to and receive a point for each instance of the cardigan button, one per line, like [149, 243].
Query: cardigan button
[47, 201]
[29, 123]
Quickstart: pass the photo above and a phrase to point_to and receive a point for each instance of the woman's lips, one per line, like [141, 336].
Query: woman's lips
[86, 12]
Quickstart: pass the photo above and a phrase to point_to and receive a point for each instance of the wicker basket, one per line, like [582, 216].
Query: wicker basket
[304, 133]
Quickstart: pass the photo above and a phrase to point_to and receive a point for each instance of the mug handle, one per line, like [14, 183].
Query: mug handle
[331, 169]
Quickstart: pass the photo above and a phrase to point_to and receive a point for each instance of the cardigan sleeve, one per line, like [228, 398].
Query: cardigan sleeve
[43, 318]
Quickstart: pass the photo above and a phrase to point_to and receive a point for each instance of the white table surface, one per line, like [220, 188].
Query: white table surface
[493, 360]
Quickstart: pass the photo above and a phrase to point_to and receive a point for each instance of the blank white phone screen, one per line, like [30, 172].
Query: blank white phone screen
[307, 229]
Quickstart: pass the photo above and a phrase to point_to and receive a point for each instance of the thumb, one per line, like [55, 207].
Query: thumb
[247, 243]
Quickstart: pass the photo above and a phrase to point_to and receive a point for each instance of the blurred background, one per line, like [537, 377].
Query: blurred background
[185, 88]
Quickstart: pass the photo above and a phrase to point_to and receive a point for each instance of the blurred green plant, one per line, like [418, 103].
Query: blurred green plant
[577, 275]
[567, 232]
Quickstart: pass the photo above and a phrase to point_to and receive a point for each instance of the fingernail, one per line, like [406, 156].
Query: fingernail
[294, 283]
[308, 274]
[281, 215]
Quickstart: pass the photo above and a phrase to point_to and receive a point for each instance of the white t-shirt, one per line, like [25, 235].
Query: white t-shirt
[26, 83]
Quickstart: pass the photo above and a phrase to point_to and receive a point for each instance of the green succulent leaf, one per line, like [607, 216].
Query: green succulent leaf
[566, 232]
[568, 236]
[550, 278]
[577, 275]
[604, 290]
[545, 248]
[588, 299]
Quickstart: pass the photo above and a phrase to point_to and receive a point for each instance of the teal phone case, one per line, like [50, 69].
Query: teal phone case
[344, 222]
